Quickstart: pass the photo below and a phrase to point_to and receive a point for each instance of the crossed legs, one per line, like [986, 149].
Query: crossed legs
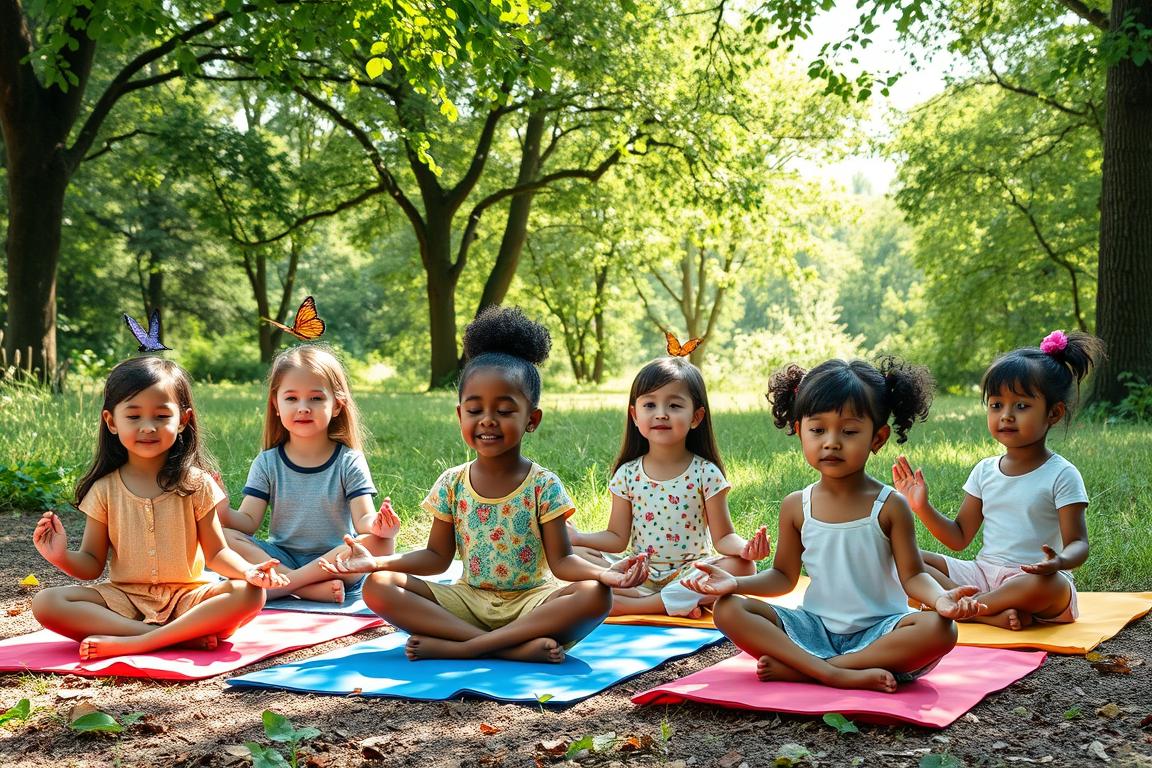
[917, 641]
[1015, 603]
[82, 614]
[567, 615]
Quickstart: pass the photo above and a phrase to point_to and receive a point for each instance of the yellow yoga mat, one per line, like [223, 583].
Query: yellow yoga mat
[790, 600]
[1102, 615]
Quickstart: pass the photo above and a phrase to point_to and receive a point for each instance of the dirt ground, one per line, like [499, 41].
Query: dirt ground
[1065, 714]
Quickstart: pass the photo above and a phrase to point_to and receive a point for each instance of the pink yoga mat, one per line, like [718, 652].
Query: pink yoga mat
[269, 634]
[958, 683]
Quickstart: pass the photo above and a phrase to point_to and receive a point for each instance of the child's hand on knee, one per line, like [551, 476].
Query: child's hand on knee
[356, 560]
[959, 604]
[627, 573]
[266, 576]
[386, 524]
[759, 546]
[710, 580]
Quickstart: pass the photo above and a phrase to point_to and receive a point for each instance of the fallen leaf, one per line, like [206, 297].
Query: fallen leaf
[636, 743]
[30, 581]
[318, 761]
[356, 692]
[17, 610]
[80, 709]
[1113, 664]
[1147, 721]
[1021, 712]
[237, 750]
[1096, 749]
[553, 746]
[488, 730]
[730, 760]
[375, 747]
[1109, 710]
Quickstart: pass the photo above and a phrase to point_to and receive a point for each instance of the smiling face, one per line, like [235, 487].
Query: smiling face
[1018, 420]
[837, 444]
[305, 404]
[494, 413]
[148, 422]
[664, 416]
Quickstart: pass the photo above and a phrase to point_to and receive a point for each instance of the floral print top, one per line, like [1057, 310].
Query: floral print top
[499, 539]
[668, 519]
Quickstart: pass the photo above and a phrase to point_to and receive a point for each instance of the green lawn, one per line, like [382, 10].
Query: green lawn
[415, 437]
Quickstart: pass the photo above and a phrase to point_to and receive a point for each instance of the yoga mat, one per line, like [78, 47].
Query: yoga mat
[379, 668]
[354, 604]
[958, 683]
[790, 600]
[268, 634]
[1102, 615]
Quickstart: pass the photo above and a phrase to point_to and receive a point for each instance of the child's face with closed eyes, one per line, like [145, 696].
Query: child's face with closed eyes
[494, 413]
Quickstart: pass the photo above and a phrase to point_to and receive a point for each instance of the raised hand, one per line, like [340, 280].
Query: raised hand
[710, 580]
[266, 576]
[49, 537]
[356, 560]
[1050, 564]
[386, 524]
[627, 573]
[910, 484]
[759, 546]
[959, 603]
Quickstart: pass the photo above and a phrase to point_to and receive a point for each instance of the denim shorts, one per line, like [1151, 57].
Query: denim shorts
[809, 633]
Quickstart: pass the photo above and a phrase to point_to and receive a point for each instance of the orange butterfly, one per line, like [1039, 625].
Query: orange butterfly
[307, 326]
[676, 349]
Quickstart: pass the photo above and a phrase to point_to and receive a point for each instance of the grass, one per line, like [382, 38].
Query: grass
[415, 437]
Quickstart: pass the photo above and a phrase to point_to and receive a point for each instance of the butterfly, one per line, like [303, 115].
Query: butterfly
[307, 326]
[676, 349]
[150, 339]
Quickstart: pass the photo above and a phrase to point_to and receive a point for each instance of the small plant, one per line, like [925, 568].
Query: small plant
[20, 711]
[102, 722]
[33, 486]
[279, 728]
[842, 724]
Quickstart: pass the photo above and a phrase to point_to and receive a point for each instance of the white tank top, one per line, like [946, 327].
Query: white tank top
[854, 580]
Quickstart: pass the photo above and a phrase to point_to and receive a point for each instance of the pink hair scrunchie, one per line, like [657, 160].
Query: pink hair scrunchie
[1054, 342]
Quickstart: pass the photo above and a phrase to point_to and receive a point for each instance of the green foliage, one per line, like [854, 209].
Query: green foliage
[279, 729]
[230, 356]
[20, 711]
[1135, 407]
[33, 485]
[102, 722]
[842, 724]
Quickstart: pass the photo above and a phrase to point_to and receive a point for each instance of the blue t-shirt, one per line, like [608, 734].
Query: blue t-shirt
[310, 505]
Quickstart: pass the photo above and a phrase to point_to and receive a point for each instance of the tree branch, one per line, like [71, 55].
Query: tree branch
[1094, 17]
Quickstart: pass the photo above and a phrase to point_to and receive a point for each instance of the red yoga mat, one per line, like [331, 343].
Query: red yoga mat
[958, 683]
[268, 634]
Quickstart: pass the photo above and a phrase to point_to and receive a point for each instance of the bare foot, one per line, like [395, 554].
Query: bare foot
[206, 643]
[1007, 619]
[875, 679]
[331, 591]
[422, 647]
[769, 670]
[543, 650]
[695, 613]
[105, 646]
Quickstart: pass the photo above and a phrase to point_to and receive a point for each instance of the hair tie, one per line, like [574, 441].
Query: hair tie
[1053, 343]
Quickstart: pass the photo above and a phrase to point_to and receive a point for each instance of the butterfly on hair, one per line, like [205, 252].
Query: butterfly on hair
[676, 349]
[307, 326]
[150, 339]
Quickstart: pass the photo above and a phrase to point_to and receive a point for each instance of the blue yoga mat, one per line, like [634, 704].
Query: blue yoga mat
[609, 654]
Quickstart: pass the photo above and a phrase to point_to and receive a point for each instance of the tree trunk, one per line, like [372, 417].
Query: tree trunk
[516, 226]
[441, 276]
[37, 180]
[1124, 298]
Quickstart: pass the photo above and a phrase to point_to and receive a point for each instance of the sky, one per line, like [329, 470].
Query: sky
[884, 55]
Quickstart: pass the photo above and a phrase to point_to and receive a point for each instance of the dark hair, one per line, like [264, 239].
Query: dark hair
[890, 390]
[127, 379]
[502, 337]
[665, 370]
[1054, 376]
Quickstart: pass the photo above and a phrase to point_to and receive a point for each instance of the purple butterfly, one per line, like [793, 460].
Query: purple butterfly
[150, 339]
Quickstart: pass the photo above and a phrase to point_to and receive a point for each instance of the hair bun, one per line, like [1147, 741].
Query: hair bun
[506, 330]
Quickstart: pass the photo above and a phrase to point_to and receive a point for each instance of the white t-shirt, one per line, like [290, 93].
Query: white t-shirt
[1020, 512]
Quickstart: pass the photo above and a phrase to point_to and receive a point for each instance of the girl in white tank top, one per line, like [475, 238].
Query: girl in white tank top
[854, 537]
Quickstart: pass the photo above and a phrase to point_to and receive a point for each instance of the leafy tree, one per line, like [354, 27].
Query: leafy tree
[55, 100]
